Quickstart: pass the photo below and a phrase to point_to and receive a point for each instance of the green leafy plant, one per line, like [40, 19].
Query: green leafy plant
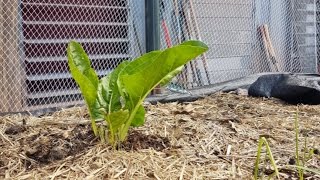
[117, 98]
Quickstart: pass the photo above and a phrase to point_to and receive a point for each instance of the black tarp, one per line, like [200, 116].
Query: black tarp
[291, 88]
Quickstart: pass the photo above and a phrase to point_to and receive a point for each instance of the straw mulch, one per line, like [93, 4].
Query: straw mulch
[212, 138]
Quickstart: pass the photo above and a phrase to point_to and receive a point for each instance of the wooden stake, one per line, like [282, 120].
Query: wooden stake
[203, 57]
[268, 48]
[193, 64]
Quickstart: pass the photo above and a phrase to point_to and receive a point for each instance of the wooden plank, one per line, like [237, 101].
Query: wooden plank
[12, 79]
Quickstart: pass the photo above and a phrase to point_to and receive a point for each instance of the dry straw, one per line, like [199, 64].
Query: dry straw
[212, 138]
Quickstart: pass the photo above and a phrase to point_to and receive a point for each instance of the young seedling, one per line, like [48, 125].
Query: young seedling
[300, 167]
[296, 127]
[263, 141]
[117, 98]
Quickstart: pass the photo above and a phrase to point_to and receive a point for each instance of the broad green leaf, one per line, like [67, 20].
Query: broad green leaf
[171, 75]
[195, 44]
[175, 72]
[140, 76]
[118, 118]
[140, 63]
[79, 61]
[115, 98]
[138, 120]
[103, 93]
[85, 77]
[108, 92]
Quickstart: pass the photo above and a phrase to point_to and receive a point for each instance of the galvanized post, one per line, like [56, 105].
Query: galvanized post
[152, 25]
[152, 19]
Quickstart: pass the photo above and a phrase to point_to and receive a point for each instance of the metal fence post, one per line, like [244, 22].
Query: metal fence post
[152, 10]
[152, 25]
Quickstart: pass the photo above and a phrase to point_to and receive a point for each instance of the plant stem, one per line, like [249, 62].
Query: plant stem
[93, 125]
[304, 152]
[125, 129]
[256, 166]
[297, 146]
[102, 134]
[273, 162]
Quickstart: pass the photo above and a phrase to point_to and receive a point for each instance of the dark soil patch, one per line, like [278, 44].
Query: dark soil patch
[57, 143]
[136, 140]
[48, 146]
[15, 129]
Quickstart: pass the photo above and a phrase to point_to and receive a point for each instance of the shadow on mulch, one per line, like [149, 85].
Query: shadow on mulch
[49, 145]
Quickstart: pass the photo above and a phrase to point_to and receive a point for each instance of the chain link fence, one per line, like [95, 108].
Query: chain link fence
[244, 37]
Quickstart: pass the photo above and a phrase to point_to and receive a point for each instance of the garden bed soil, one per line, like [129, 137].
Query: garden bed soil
[211, 138]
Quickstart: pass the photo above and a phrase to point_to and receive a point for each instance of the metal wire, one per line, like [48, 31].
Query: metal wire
[244, 37]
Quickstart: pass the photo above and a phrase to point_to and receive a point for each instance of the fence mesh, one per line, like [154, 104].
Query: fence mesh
[244, 37]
